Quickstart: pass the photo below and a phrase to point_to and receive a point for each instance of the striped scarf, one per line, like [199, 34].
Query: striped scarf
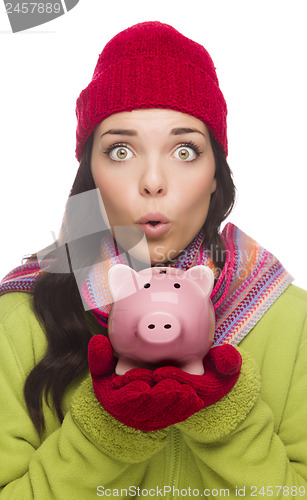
[250, 282]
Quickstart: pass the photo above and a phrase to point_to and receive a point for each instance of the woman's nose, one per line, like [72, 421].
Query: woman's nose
[153, 179]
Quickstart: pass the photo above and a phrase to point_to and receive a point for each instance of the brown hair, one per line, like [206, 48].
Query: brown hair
[58, 306]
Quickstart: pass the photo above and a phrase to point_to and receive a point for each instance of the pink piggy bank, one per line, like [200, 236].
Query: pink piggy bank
[161, 316]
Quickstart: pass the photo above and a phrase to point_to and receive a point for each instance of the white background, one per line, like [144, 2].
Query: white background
[259, 49]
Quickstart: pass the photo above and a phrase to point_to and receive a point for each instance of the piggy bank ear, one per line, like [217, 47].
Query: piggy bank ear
[122, 281]
[203, 276]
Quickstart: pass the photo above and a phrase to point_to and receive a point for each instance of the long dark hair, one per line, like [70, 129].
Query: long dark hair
[58, 306]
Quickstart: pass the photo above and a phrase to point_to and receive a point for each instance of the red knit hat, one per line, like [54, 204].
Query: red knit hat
[152, 65]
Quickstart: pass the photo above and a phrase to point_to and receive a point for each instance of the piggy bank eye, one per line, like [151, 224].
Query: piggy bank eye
[176, 285]
[147, 285]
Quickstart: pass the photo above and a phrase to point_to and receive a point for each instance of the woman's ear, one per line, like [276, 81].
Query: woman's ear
[214, 185]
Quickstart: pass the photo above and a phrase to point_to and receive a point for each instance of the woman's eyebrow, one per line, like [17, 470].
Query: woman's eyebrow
[179, 131]
[120, 132]
[174, 131]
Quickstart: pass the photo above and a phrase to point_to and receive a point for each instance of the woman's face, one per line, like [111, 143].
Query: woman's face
[155, 170]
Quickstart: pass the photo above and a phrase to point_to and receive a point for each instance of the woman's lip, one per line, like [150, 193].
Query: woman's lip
[153, 216]
[155, 231]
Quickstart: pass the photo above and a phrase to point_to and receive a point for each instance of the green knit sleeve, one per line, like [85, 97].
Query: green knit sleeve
[238, 444]
[219, 419]
[110, 435]
[71, 460]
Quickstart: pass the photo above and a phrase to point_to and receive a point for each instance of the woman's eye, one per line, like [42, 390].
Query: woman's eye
[185, 153]
[119, 153]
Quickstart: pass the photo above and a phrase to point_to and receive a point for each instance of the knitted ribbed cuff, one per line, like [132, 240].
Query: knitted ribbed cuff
[223, 417]
[127, 444]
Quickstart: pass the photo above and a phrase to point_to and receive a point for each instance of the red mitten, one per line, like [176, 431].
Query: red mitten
[222, 369]
[149, 400]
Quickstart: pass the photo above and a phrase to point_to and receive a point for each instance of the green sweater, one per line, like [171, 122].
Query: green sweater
[252, 443]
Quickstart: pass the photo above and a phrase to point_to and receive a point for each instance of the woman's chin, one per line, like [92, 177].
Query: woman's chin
[144, 251]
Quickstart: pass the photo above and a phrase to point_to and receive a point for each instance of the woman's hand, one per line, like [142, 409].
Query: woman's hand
[149, 400]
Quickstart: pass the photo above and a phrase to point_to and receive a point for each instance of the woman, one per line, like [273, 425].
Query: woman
[151, 138]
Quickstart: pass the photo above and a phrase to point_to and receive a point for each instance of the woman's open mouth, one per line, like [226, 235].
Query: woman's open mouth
[154, 224]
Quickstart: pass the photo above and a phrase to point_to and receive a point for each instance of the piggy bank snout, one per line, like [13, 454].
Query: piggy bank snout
[158, 328]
